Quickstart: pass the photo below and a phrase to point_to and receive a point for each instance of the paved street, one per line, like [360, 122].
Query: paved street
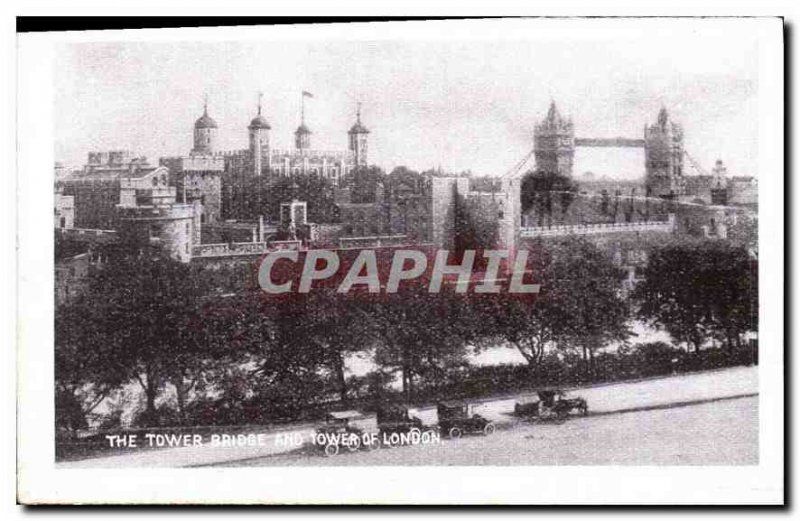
[723, 432]
[604, 401]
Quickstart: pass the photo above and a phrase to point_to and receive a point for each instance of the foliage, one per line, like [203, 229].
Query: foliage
[699, 289]
[578, 304]
[148, 321]
[365, 183]
[316, 191]
[542, 192]
[85, 372]
[421, 334]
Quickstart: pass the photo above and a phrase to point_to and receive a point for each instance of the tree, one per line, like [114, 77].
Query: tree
[529, 325]
[339, 326]
[578, 304]
[314, 190]
[364, 183]
[587, 286]
[146, 314]
[421, 334]
[85, 374]
[698, 289]
[540, 191]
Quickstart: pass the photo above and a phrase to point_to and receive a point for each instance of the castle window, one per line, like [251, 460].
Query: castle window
[155, 230]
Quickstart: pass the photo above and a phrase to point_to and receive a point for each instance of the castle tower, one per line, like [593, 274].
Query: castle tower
[554, 143]
[205, 133]
[719, 184]
[357, 139]
[302, 137]
[663, 150]
[258, 132]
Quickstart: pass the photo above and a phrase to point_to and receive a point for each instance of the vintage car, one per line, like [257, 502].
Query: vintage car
[337, 431]
[551, 404]
[399, 419]
[457, 418]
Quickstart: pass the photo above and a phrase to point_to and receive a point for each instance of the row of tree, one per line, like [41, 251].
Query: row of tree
[171, 329]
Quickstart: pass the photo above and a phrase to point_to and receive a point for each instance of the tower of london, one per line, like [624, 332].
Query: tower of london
[225, 181]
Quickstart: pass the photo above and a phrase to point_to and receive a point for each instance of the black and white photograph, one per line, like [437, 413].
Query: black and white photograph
[422, 251]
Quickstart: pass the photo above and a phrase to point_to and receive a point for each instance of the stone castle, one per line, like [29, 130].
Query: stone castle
[184, 203]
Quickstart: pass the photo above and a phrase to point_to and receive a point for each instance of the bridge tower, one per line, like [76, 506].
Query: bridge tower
[663, 146]
[554, 143]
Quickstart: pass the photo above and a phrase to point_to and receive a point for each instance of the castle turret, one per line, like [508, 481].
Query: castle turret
[258, 132]
[205, 133]
[663, 145]
[554, 143]
[358, 140]
[302, 137]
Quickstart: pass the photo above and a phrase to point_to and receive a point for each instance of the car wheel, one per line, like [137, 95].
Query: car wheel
[355, 443]
[489, 429]
[331, 450]
[585, 410]
[455, 432]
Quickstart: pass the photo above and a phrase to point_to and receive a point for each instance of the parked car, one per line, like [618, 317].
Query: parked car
[339, 432]
[457, 418]
[551, 404]
[399, 419]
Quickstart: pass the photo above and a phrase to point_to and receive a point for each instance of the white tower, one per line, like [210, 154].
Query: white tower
[258, 132]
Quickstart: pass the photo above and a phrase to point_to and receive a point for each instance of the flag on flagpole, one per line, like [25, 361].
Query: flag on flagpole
[307, 94]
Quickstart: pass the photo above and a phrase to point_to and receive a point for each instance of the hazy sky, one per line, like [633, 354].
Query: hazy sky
[459, 104]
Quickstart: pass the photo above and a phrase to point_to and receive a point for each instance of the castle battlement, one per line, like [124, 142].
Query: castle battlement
[315, 154]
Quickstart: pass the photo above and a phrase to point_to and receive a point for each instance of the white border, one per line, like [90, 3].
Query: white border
[40, 481]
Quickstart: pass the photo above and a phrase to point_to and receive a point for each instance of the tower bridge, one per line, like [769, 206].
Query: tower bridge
[554, 146]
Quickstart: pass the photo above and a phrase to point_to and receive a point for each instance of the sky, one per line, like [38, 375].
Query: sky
[458, 104]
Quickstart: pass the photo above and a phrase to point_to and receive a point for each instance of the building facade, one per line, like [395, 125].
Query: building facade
[96, 188]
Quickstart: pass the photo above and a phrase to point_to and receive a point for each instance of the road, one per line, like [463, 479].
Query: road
[605, 402]
[723, 432]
